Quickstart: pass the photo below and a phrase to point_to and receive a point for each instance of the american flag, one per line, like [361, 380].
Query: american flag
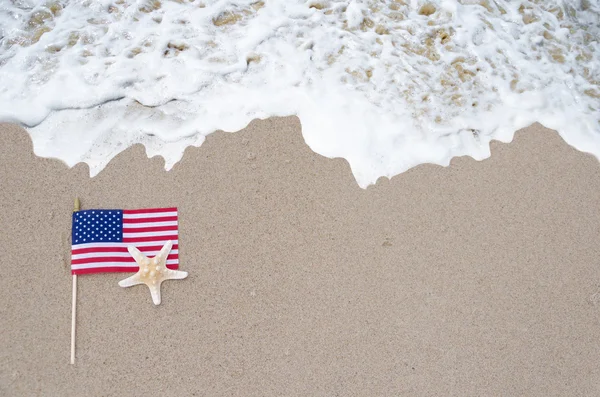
[100, 238]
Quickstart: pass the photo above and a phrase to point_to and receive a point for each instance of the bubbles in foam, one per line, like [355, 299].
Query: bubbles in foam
[384, 84]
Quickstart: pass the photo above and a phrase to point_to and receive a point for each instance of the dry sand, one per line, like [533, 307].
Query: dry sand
[482, 278]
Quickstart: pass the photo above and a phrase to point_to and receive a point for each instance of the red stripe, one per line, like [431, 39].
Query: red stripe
[148, 238]
[114, 269]
[118, 249]
[149, 229]
[144, 220]
[120, 259]
[149, 210]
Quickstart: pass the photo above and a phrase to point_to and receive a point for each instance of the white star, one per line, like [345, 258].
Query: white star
[153, 271]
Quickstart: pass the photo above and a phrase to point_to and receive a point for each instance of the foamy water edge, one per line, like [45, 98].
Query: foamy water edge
[385, 85]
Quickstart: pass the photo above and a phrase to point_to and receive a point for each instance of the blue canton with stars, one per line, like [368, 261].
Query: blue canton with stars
[97, 226]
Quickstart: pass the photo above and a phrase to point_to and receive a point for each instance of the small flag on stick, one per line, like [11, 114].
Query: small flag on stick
[111, 241]
[100, 238]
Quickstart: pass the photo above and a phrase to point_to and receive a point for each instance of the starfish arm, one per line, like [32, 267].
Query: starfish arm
[155, 292]
[137, 255]
[164, 252]
[131, 281]
[176, 274]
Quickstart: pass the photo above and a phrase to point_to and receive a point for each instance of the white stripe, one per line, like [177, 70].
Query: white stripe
[132, 266]
[148, 224]
[138, 245]
[149, 215]
[166, 233]
[117, 254]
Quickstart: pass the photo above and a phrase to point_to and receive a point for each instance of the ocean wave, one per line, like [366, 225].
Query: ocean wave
[387, 85]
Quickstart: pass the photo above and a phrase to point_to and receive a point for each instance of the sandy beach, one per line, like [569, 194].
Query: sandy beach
[482, 278]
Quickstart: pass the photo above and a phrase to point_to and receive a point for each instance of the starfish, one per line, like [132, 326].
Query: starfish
[153, 271]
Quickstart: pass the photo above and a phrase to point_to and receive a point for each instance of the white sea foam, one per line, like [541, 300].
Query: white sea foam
[386, 85]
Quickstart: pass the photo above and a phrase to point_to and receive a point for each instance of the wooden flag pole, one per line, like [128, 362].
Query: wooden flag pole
[76, 207]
